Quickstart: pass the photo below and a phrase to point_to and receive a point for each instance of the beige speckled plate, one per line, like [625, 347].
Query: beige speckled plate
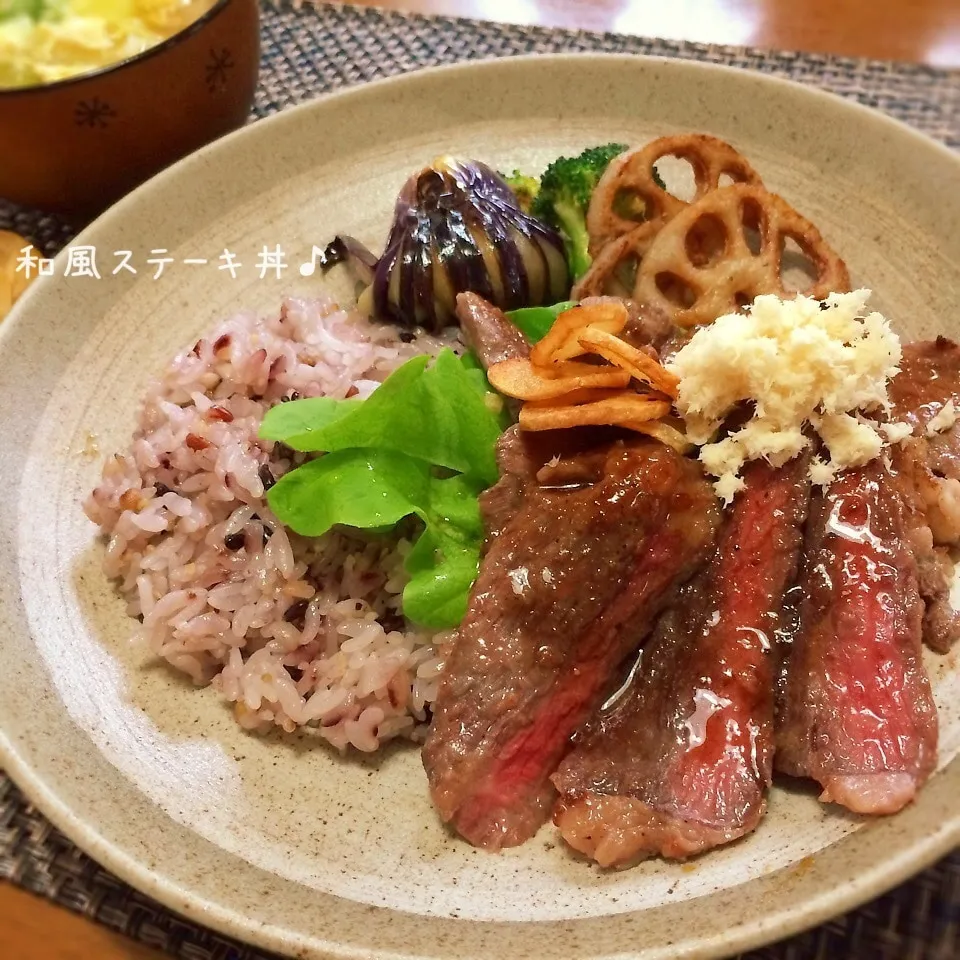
[283, 843]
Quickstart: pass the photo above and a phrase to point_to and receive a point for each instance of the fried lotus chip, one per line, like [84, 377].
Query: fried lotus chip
[727, 274]
[614, 269]
[629, 179]
[626, 410]
[562, 342]
[519, 378]
[628, 358]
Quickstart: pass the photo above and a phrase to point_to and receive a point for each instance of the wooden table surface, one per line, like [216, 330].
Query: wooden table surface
[920, 31]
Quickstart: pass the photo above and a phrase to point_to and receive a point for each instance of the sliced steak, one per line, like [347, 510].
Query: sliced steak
[929, 379]
[933, 500]
[858, 715]
[490, 335]
[682, 760]
[518, 464]
[528, 461]
[565, 593]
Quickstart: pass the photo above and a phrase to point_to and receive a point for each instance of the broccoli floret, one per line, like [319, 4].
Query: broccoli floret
[565, 190]
[525, 188]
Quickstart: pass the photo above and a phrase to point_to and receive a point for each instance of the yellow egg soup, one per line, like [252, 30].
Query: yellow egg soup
[42, 41]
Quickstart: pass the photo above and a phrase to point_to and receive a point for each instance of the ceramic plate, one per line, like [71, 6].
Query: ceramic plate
[280, 842]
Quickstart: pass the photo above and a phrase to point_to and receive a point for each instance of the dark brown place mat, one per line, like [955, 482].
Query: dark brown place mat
[312, 50]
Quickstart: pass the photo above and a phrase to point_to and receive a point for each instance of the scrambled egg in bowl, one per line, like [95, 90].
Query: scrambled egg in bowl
[42, 41]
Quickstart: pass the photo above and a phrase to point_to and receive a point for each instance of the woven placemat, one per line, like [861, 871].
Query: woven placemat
[308, 50]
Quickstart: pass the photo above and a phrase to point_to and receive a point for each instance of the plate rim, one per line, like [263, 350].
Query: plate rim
[178, 897]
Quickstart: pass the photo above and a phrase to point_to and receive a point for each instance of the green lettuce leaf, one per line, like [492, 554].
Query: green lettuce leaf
[442, 571]
[367, 489]
[535, 322]
[294, 422]
[373, 489]
[389, 457]
[476, 375]
[445, 560]
[435, 413]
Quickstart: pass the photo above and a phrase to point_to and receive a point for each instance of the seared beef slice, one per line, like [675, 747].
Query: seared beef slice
[490, 335]
[518, 472]
[682, 760]
[565, 593]
[858, 715]
[929, 378]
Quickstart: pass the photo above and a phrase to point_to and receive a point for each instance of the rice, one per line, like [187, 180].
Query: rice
[293, 632]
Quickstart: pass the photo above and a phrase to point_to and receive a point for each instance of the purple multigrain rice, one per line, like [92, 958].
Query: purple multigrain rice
[294, 632]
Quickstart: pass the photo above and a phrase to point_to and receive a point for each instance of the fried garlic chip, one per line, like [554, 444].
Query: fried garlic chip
[563, 343]
[625, 410]
[521, 379]
[663, 432]
[628, 358]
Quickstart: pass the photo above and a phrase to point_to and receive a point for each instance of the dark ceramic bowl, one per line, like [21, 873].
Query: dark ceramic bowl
[75, 146]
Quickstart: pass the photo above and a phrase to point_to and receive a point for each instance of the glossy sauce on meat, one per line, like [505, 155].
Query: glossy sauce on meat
[682, 761]
[858, 714]
[929, 378]
[566, 592]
